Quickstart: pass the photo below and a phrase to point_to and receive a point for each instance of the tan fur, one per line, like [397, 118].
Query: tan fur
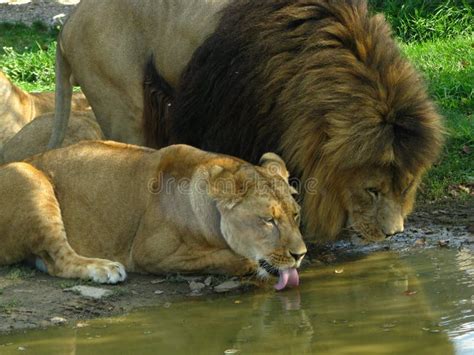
[91, 209]
[33, 138]
[17, 107]
[105, 45]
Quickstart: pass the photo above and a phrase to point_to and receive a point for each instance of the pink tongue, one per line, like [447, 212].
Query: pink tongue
[288, 277]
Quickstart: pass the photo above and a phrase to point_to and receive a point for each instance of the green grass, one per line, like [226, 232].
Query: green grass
[422, 20]
[448, 66]
[27, 55]
[19, 272]
[437, 36]
[10, 306]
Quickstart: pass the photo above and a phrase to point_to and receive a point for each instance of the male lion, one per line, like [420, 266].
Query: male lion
[322, 83]
[94, 209]
[17, 107]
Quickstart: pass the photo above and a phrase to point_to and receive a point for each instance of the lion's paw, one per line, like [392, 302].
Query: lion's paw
[106, 272]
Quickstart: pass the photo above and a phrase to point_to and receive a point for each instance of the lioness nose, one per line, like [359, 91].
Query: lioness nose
[297, 257]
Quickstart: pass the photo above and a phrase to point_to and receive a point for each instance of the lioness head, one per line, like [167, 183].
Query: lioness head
[259, 217]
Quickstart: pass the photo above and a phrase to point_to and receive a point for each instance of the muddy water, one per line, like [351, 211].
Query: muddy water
[384, 303]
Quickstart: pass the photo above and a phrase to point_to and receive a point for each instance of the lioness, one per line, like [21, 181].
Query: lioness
[18, 107]
[96, 209]
[33, 138]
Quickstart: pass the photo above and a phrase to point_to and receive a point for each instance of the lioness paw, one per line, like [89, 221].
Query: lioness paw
[104, 271]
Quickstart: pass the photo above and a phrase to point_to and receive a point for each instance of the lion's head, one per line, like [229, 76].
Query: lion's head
[259, 218]
[374, 130]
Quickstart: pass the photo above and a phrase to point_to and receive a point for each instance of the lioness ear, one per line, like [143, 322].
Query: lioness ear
[224, 187]
[275, 165]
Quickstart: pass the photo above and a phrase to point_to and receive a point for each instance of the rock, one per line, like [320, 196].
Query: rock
[157, 281]
[208, 281]
[443, 243]
[191, 278]
[81, 325]
[227, 286]
[58, 320]
[90, 292]
[196, 286]
[159, 292]
[421, 242]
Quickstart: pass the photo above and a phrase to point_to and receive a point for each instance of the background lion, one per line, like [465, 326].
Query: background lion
[94, 209]
[17, 107]
[33, 138]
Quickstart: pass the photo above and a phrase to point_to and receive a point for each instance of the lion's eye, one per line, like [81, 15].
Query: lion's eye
[373, 192]
[409, 186]
[268, 220]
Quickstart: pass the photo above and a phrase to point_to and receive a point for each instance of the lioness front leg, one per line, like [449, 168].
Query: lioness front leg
[148, 258]
[31, 224]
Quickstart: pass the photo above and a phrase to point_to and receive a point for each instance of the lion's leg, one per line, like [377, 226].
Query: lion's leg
[38, 229]
[221, 261]
[164, 251]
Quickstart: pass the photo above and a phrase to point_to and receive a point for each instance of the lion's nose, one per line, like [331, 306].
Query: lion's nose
[297, 257]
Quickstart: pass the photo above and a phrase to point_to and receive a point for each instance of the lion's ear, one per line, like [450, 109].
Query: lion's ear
[275, 165]
[224, 187]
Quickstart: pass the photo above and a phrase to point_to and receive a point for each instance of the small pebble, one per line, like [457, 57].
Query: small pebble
[443, 243]
[196, 286]
[208, 281]
[58, 320]
[157, 281]
[227, 286]
[420, 242]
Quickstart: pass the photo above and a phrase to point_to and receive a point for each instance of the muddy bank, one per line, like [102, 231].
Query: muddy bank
[30, 299]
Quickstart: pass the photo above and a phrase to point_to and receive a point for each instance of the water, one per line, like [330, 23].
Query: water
[385, 303]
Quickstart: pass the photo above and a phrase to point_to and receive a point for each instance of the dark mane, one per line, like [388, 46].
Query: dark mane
[158, 98]
[320, 82]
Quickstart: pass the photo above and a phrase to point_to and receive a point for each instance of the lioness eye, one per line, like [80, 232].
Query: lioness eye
[268, 220]
[373, 192]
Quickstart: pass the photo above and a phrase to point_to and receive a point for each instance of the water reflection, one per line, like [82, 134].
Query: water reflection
[381, 304]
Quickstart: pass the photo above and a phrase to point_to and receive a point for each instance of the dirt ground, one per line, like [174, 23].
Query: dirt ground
[50, 12]
[31, 299]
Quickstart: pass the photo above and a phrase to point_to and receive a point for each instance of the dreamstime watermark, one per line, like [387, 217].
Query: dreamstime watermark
[165, 184]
